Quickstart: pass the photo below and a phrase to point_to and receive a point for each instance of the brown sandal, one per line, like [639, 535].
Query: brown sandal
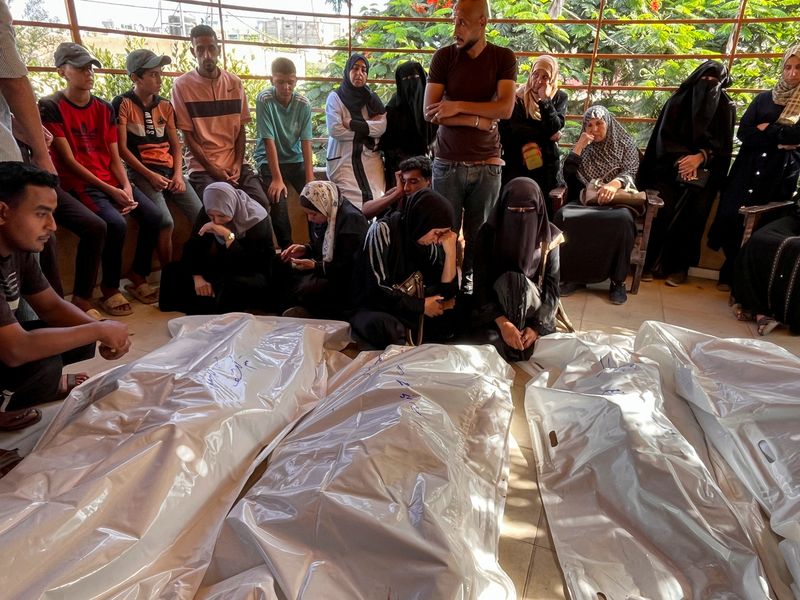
[13, 420]
[114, 305]
[8, 460]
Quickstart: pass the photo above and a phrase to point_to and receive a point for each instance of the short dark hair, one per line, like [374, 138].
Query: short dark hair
[283, 65]
[202, 31]
[140, 72]
[15, 177]
[420, 163]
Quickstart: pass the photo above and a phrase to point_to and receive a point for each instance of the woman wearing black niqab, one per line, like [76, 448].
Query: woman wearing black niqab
[693, 134]
[516, 272]
[407, 132]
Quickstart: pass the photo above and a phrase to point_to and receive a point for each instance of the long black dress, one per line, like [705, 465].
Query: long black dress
[698, 118]
[766, 274]
[521, 129]
[761, 173]
[239, 274]
[407, 132]
[327, 291]
[510, 280]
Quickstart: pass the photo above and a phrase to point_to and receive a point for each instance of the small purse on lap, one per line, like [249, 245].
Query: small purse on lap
[413, 286]
[628, 197]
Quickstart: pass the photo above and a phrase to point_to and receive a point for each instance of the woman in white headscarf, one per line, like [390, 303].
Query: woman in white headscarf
[768, 164]
[226, 262]
[529, 137]
[323, 284]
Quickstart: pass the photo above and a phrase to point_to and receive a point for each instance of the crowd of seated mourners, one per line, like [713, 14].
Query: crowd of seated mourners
[462, 149]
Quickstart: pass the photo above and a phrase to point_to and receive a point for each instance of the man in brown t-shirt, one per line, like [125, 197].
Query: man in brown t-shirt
[471, 85]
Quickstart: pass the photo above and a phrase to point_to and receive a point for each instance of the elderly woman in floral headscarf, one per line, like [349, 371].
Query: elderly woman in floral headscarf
[768, 164]
[599, 239]
[529, 137]
[324, 266]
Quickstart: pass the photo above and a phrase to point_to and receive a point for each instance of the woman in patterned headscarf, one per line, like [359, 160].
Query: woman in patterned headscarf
[322, 286]
[599, 239]
[529, 137]
[767, 166]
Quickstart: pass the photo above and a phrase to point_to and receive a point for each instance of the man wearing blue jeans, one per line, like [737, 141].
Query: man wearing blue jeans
[472, 84]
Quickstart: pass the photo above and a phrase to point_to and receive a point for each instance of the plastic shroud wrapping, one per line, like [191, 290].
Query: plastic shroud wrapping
[392, 488]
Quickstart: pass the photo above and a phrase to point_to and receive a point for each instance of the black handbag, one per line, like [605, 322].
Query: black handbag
[703, 176]
[413, 286]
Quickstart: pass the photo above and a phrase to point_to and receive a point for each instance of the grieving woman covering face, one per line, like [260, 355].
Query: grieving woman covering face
[599, 239]
[226, 261]
[356, 119]
[529, 137]
[686, 160]
[767, 166]
[516, 272]
[415, 242]
[319, 275]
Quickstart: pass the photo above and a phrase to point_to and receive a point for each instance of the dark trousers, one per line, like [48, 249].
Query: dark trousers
[37, 382]
[293, 174]
[72, 214]
[249, 183]
[148, 216]
[379, 329]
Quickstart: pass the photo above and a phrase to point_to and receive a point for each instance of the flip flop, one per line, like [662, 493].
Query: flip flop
[95, 314]
[144, 293]
[69, 381]
[742, 314]
[765, 325]
[113, 305]
[13, 420]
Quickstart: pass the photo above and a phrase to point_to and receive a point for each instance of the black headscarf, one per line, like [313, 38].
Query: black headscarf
[699, 115]
[407, 104]
[391, 242]
[356, 98]
[518, 236]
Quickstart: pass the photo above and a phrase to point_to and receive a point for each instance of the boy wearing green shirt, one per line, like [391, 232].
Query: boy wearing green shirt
[283, 150]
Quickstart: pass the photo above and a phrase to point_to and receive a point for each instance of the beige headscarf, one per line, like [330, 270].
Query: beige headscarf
[782, 90]
[526, 92]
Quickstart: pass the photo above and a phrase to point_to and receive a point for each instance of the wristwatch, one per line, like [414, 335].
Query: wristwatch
[231, 237]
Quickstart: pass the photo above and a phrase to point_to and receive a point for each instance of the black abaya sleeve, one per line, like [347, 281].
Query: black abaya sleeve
[545, 321]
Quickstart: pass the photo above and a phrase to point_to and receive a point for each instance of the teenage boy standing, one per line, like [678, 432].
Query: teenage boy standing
[149, 144]
[283, 150]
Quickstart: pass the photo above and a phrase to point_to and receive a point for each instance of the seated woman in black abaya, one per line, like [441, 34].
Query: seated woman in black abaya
[418, 240]
[599, 239]
[516, 272]
[226, 262]
[766, 286]
[320, 279]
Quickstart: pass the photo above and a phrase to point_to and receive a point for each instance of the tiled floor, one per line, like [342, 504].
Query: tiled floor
[525, 547]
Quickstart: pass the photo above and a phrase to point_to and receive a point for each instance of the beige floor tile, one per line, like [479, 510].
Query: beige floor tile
[697, 295]
[574, 306]
[515, 558]
[545, 581]
[721, 325]
[543, 538]
[598, 308]
[523, 503]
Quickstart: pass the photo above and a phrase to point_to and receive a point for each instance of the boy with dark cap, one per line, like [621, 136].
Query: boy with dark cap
[86, 156]
[283, 151]
[149, 144]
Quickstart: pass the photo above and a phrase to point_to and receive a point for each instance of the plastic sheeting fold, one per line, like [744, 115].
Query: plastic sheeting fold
[392, 488]
[633, 507]
[125, 493]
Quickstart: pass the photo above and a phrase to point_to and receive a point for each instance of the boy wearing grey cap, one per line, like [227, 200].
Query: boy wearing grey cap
[86, 156]
[149, 144]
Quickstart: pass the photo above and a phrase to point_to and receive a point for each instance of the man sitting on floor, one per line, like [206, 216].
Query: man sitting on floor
[413, 174]
[33, 353]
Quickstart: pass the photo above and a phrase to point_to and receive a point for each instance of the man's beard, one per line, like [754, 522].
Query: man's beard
[468, 45]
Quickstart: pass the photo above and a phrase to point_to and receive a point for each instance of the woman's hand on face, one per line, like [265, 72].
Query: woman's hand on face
[202, 287]
[215, 229]
[433, 306]
[582, 142]
[302, 264]
[546, 91]
[448, 241]
[511, 335]
[293, 251]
